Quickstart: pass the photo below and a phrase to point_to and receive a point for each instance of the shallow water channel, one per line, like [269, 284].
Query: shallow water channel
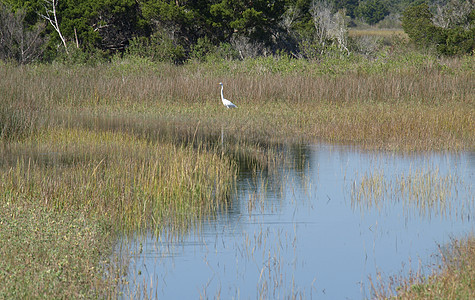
[318, 226]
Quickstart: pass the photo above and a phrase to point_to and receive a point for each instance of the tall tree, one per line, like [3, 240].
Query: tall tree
[417, 23]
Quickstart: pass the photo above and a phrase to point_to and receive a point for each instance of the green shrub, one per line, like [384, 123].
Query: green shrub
[448, 39]
[158, 47]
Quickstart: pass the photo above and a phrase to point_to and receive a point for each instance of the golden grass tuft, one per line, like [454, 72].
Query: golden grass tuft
[424, 191]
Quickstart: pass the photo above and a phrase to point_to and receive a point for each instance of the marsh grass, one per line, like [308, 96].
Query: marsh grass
[136, 183]
[46, 254]
[452, 277]
[410, 102]
[66, 176]
[423, 190]
[427, 193]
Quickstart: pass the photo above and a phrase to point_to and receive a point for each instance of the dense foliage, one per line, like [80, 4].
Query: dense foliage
[373, 11]
[176, 30]
[450, 31]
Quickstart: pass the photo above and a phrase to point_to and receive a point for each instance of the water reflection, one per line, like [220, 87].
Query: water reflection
[315, 227]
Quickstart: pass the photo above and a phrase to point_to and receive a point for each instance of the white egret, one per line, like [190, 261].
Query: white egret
[226, 102]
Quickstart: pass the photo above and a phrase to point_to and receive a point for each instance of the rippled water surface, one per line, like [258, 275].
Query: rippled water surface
[317, 227]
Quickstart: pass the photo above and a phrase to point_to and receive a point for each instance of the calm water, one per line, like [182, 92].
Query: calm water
[317, 227]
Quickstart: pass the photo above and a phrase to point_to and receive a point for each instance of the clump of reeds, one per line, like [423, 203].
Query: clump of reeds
[453, 277]
[425, 191]
[19, 116]
[136, 183]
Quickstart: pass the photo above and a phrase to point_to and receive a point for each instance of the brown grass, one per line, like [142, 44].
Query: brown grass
[377, 32]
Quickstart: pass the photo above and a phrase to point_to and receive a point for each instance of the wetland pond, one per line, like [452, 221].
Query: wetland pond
[317, 226]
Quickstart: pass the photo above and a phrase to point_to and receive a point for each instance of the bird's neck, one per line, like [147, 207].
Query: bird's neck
[222, 97]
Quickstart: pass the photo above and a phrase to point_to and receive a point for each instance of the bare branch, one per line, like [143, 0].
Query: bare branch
[329, 27]
[454, 13]
[51, 17]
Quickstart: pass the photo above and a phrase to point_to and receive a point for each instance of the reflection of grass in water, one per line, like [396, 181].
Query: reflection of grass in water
[283, 178]
[425, 191]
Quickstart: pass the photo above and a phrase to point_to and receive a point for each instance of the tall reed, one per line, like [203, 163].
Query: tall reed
[131, 181]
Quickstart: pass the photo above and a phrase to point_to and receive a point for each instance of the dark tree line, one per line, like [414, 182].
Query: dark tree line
[179, 29]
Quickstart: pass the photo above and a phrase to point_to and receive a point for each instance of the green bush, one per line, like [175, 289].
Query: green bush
[202, 48]
[453, 39]
[457, 41]
[77, 56]
[417, 23]
[372, 11]
[158, 47]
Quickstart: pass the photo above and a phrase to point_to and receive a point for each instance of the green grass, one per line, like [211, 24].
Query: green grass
[46, 254]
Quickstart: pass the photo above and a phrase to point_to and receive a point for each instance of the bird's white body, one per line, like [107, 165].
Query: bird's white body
[226, 102]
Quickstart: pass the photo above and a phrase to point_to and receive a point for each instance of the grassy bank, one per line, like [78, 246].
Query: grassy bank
[134, 182]
[452, 278]
[46, 254]
[133, 144]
